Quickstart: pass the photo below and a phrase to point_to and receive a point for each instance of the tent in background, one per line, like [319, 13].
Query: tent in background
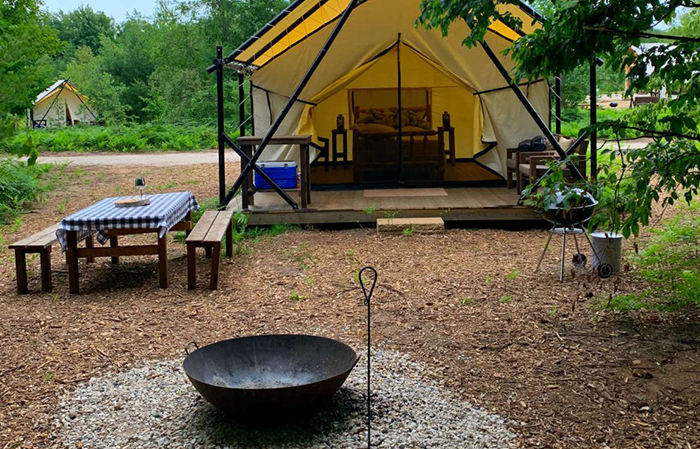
[486, 114]
[60, 105]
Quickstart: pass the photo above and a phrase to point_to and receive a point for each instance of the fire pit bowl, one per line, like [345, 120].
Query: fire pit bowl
[270, 374]
[578, 215]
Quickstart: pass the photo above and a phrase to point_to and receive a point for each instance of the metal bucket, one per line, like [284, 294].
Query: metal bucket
[608, 248]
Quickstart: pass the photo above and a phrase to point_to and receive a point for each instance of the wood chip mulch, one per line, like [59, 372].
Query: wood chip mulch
[466, 302]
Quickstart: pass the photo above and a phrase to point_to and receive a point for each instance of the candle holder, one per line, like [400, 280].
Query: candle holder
[140, 184]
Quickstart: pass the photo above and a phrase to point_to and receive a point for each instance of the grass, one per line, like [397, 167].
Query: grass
[296, 296]
[466, 301]
[505, 299]
[670, 261]
[20, 185]
[575, 119]
[126, 138]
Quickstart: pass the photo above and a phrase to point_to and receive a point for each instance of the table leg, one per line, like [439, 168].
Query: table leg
[89, 244]
[345, 149]
[163, 260]
[191, 266]
[215, 259]
[453, 153]
[188, 217]
[72, 261]
[334, 145]
[114, 242]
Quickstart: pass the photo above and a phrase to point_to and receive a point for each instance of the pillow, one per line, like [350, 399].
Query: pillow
[565, 143]
[424, 124]
[373, 128]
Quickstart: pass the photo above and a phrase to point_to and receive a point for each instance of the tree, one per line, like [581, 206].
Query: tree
[577, 33]
[83, 27]
[129, 60]
[103, 91]
[25, 50]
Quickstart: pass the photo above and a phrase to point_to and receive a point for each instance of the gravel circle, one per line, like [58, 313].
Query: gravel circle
[155, 406]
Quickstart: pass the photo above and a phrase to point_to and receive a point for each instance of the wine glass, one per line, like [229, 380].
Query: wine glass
[140, 184]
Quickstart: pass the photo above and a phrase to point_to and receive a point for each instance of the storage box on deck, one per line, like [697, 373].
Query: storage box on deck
[284, 173]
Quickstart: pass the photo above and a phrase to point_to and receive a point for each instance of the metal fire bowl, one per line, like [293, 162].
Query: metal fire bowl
[566, 218]
[270, 374]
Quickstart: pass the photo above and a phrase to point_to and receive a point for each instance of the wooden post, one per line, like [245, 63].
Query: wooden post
[21, 269]
[72, 261]
[163, 260]
[220, 122]
[45, 257]
[557, 104]
[594, 120]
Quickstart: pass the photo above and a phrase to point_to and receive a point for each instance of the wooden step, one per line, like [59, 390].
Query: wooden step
[428, 225]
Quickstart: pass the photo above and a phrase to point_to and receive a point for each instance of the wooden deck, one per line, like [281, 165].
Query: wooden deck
[353, 206]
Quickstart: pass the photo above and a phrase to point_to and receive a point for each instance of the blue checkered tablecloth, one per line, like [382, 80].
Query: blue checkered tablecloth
[164, 212]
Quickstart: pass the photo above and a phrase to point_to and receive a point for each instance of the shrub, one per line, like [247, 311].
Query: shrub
[670, 260]
[128, 138]
[20, 185]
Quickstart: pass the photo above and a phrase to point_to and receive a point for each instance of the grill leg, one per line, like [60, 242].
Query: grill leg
[546, 247]
[563, 251]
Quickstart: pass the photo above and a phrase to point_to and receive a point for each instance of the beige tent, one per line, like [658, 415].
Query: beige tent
[362, 63]
[60, 105]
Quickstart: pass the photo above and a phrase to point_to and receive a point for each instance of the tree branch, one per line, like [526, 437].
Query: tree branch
[652, 132]
[643, 34]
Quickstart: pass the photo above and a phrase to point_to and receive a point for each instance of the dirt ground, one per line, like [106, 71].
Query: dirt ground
[466, 302]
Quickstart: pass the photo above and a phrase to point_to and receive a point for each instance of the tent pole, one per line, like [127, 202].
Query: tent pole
[220, 123]
[557, 102]
[241, 104]
[290, 103]
[252, 109]
[400, 105]
[53, 102]
[530, 109]
[594, 120]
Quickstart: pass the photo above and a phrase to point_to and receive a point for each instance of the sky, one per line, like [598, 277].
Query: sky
[118, 9]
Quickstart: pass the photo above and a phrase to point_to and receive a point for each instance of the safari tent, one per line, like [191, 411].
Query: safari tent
[61, 104]
[384, 102]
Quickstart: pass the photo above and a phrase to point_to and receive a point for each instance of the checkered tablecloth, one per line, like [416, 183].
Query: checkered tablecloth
[164, 212]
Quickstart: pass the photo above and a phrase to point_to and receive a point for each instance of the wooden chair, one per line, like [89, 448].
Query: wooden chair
[208, 233]
[531, 166]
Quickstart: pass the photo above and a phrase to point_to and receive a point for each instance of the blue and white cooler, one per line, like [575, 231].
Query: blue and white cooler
[284, 173]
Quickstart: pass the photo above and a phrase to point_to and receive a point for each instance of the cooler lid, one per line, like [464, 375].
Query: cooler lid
[277, 164]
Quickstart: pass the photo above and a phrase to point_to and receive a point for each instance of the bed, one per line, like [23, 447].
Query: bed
[376, 154]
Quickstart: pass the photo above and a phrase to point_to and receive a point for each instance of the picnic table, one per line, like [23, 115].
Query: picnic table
[166, 212]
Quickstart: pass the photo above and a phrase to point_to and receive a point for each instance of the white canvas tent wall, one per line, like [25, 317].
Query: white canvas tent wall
[61, 105]
[281, 53]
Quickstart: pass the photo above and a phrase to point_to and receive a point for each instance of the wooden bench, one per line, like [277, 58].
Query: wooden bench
[41, 243]
[208, 233]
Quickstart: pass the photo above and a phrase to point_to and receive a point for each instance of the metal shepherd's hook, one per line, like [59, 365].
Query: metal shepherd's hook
[368, 296]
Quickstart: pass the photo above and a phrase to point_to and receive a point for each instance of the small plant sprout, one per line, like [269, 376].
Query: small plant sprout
[553, 312]
[409, 230]
[309, 280]
[489, 279]
[371, 209]
[505, 299]
[296, 296]
[466, 301]
[513, 274]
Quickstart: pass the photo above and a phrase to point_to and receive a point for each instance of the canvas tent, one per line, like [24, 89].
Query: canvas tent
[61, 104]
[486, 114]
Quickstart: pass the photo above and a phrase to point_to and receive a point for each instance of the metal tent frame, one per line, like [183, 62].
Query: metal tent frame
[220, 63]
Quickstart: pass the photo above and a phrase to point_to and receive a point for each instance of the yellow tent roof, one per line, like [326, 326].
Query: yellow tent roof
[304, 17]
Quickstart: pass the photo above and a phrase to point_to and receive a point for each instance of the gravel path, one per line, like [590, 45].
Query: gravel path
[138, 159]
[154, 406]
